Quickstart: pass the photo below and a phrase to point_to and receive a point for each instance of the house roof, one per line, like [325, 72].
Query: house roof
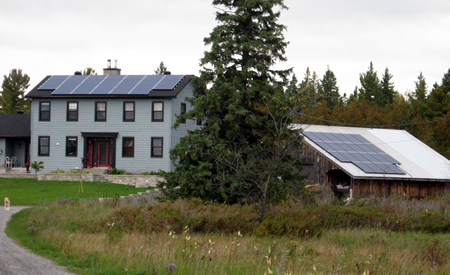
[14, 125]
[408, 157]
[110, 86]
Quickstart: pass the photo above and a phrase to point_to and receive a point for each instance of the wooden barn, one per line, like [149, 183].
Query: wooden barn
[372, 162]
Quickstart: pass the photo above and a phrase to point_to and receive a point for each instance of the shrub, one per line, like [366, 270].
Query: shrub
[116, 171]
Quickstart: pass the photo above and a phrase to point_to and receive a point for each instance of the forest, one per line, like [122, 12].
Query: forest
[424, 112]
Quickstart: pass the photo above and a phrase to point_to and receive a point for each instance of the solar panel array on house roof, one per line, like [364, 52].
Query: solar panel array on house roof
[110, 84]
[354, 148]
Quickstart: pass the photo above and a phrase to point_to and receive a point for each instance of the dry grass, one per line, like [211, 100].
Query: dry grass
[83, 231]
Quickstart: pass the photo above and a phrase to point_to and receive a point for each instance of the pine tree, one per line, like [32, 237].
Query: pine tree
[387, 92]
[369, 85]
[329, 91]
[12, 97]
[243, 153]
[420, 92]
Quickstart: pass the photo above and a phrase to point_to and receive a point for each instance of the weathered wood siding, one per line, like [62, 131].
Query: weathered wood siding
[321, 165]
[413, 189]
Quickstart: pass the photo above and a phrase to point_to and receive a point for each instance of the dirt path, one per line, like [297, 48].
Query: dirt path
[16, 260]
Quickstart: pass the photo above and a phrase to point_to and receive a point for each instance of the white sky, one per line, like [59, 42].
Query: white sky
[50, 37]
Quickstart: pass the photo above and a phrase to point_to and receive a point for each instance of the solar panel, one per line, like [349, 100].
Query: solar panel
[88, 84]
[358, 150]
[148, 83]
[53, 82]
[69, 85]
[169, 82]
[107, 85]
[126, 84]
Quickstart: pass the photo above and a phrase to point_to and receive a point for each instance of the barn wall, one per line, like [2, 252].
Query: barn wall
[316, 164]
[414, 189]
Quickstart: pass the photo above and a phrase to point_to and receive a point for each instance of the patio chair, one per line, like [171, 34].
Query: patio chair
[13, 162]
[7, 162]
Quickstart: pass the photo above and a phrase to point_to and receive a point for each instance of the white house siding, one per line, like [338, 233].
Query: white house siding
[190, 124]
[2, 148]
[142, 129]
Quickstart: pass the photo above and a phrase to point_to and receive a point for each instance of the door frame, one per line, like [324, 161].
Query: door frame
[91, 147]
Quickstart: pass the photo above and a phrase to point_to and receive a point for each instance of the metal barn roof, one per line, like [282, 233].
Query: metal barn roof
[411, 158]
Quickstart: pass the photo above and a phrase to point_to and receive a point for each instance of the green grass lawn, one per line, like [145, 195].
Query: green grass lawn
[34, 192]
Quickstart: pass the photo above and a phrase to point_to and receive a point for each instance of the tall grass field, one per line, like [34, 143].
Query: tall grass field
[309, 235]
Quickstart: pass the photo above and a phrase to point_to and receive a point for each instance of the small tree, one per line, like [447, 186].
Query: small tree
[161, 68]
[89, 71]
[37, 166]
[12, 97]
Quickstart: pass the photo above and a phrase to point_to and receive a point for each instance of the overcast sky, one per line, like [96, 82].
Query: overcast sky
[50, 37]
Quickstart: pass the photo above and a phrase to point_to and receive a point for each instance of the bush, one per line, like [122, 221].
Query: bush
[116, 171]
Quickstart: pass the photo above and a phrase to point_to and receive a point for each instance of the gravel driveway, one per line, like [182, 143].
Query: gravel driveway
[16, 260]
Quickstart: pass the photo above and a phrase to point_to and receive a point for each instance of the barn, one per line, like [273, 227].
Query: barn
[372, 162]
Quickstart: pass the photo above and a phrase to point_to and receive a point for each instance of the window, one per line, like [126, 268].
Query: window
[157, 147]
[128, 147]
[128, 111]
[158, 113]
[183, 111]
[100, 111]
[71, 146]
[44, 146]
[72, 111]
[44, 111]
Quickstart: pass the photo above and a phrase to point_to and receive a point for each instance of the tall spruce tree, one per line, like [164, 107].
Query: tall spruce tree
[387, 92]
[12, 97]
[244, 151]
[370, 85]
[329, 91]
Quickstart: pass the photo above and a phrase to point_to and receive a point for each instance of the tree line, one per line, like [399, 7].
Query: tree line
[424, 112]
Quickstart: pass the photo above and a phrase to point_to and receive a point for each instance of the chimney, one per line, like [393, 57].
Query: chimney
[111, 71]
[167, 73]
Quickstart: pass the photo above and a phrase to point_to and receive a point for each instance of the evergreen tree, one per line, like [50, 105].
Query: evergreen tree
[420, 92]
[244, 151]
[309, 89]
[439, 99]
[387, 93]
[12, 98]
[161, 68]
[329, 91]
[369, 85]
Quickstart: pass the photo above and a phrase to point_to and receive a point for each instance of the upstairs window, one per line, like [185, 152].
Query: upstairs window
[72, 111]
[128, 111]
[158, 111]
[71, 146]
[128, 147]
[44, 146]
[183, 111]
[157, 147]
[44, 111]
[100, 111]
